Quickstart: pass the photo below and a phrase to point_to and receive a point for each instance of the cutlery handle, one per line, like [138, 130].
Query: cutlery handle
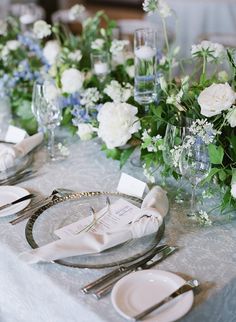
[107, 288]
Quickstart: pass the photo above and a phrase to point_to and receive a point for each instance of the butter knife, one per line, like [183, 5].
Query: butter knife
[189, 285]
[99, 293]
[29, 196]
[123, 268]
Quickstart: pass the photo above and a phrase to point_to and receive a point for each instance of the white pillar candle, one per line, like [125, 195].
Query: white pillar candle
[145, 52]
[100, 68]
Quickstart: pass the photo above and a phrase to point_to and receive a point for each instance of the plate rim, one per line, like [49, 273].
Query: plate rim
[144, 272]
[21, 205]
[76, 196]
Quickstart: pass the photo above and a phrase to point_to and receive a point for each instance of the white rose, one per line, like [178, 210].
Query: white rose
[117, 123]
[71, 80]
[231, 117]
[51, 51]
[85, 131]
[75, 55]
[145, 52]
[215, 99]
[3, 27]
[233, 190]
[41, 29]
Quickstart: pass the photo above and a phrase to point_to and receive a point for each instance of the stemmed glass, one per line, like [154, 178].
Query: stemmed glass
[194, 165]
[46, 108]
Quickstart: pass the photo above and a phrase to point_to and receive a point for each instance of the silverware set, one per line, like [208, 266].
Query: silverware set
[18, 177]
[104, 285]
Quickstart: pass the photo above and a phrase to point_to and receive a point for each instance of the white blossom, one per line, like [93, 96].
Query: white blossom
[118, 45]
[117, 123]
[215, 99]
[41, 29]
[223, 76]
[85, 131]
[98, 44]
[175, 99]
[117, 92]
[75, 55]
[76, 12]
[204, 130]
[211, 50]
[130, 70]
[152, 6]
[51, 51]
[3, 27]
[11, 45]
[71, 80]
[231, 117]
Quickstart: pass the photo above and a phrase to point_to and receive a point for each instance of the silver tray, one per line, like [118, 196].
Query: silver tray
[20, 164]
[66, 210]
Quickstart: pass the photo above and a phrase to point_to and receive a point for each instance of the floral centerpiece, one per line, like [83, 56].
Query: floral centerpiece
[105, 106]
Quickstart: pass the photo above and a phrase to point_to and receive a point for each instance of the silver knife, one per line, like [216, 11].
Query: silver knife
[99, 293]
[189, 285]
[123, 268]
[29, 196]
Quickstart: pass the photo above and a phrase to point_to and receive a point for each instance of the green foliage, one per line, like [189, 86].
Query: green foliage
[216, 154]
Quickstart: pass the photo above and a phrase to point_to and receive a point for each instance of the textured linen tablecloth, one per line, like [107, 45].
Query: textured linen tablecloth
[196, 18]
[51, 293]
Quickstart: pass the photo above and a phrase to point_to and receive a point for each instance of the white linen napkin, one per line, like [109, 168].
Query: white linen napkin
[8, 154]
[154, 208]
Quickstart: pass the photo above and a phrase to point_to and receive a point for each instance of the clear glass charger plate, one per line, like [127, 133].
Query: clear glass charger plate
[20, 164]
[66, 210]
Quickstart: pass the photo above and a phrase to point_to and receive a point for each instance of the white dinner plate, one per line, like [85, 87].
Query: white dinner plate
[9, 194]
[139, 290]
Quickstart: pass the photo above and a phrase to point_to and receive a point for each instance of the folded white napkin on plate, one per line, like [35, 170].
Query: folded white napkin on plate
[154, 208]
[8, 154]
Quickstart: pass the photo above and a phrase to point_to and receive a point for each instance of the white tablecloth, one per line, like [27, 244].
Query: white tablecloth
[51, 293]
[196, 18]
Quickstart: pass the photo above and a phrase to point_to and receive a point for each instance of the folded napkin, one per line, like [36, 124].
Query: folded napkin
[154, 208]
[8, 154]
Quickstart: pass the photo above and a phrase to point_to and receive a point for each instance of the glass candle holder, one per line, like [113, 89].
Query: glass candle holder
[145, 49]
[100, 64]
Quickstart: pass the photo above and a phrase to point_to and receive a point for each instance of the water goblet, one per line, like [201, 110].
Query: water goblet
[194, 165]
[46, 108]
[100, 62]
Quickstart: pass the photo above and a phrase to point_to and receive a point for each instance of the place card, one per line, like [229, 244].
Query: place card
[117, 215]
[132, 186]
[15, 134]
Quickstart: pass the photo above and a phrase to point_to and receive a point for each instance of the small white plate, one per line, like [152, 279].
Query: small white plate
[9, 194]
[139, 290]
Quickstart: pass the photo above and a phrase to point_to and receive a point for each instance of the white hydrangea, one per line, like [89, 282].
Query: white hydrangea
[117, 123]
[75, 55]
[212, 50]
[11, 45]
[90, 97]
[3, 27]
[75, 12]
[71, 80]
[41, 29]
[98, 44]
[117, 92]
[51, 51]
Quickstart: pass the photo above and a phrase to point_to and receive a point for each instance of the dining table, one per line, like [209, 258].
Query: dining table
[50, 292]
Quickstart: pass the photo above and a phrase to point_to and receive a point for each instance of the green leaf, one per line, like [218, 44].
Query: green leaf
[125, 156]
[226, 200]
[222, 175]
[24, 110]
[111, 153]
[212, 173]
[216, 153]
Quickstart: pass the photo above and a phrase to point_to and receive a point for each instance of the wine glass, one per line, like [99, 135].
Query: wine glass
[194, 165]
[46, 108]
